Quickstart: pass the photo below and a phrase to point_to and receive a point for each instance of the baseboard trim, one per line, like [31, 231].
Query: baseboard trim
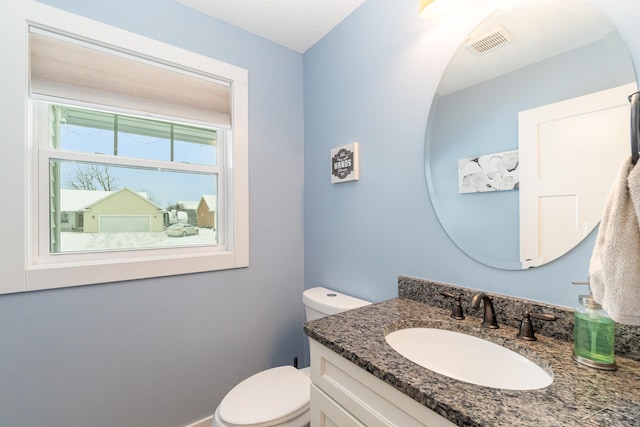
[205, 422]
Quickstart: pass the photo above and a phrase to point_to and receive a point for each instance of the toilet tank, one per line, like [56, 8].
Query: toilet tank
[320, 302]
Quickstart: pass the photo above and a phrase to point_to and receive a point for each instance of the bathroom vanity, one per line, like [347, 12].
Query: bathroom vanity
[359, 380]
[345, 395]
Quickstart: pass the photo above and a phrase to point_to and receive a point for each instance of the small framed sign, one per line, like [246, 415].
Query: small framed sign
[344, 163]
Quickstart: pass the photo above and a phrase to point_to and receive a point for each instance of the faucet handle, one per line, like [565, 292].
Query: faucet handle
[526, 327]
[456, 311]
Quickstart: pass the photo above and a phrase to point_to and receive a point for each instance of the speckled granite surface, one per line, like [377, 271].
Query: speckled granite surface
[509, 311]
[578, 396]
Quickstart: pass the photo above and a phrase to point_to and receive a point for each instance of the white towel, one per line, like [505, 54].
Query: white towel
[614, 271]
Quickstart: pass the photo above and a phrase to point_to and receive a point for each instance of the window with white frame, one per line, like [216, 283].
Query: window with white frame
[137, 156]
[119, 182]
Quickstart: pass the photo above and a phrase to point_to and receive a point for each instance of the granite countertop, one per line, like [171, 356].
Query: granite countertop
[578, 396]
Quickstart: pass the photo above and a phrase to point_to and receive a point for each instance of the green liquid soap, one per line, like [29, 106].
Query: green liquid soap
[594, 337]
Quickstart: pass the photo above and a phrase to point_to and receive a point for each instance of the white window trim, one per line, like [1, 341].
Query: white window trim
[23, 270]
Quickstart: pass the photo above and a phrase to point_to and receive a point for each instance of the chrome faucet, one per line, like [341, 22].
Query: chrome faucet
[489, 313]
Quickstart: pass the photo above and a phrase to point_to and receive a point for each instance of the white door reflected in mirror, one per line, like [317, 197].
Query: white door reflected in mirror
[570, 154]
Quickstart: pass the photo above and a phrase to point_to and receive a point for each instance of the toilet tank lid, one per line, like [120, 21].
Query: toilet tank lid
[329, 301]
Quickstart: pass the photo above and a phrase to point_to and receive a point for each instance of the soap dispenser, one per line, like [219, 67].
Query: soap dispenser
[593, 335]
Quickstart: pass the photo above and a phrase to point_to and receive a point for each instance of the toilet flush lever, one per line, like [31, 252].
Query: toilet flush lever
[526, 327]
[456, 311]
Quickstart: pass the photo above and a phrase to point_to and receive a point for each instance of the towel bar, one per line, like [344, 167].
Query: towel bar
[634, 99]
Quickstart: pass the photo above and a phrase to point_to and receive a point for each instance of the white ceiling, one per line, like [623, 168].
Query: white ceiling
[295, 24]
[299, 24]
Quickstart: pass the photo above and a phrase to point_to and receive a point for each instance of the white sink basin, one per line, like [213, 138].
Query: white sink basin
[469, 359]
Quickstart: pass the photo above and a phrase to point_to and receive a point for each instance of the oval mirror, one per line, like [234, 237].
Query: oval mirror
[527, 130]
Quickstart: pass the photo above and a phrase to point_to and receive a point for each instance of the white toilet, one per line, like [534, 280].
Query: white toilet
[280, 396]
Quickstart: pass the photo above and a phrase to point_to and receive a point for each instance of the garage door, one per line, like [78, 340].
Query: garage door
[124, 223]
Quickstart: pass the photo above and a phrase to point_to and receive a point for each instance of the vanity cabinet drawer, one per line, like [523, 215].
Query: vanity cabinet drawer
[370, 400]
[325, 412]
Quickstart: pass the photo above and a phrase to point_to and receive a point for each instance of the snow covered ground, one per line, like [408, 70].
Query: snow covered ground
[77, 241]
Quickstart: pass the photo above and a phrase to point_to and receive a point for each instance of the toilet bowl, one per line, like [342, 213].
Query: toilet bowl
[280, 396]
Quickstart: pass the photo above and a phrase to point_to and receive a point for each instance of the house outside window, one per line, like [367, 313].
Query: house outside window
[125, 207]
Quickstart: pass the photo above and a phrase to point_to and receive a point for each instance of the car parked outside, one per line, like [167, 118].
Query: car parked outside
[181, 229]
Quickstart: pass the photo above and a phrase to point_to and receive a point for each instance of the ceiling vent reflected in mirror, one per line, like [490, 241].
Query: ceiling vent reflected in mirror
[490, 41]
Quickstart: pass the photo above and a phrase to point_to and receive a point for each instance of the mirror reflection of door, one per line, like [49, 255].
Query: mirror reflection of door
[475, 113]
[570, 152]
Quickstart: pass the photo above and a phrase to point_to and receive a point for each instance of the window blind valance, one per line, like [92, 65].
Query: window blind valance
[64, 68]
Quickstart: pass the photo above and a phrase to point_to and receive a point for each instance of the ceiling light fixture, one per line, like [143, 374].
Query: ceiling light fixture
[435, 8]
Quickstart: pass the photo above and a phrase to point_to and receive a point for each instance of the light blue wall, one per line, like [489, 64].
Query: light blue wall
[372, 80]
[163, 352]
